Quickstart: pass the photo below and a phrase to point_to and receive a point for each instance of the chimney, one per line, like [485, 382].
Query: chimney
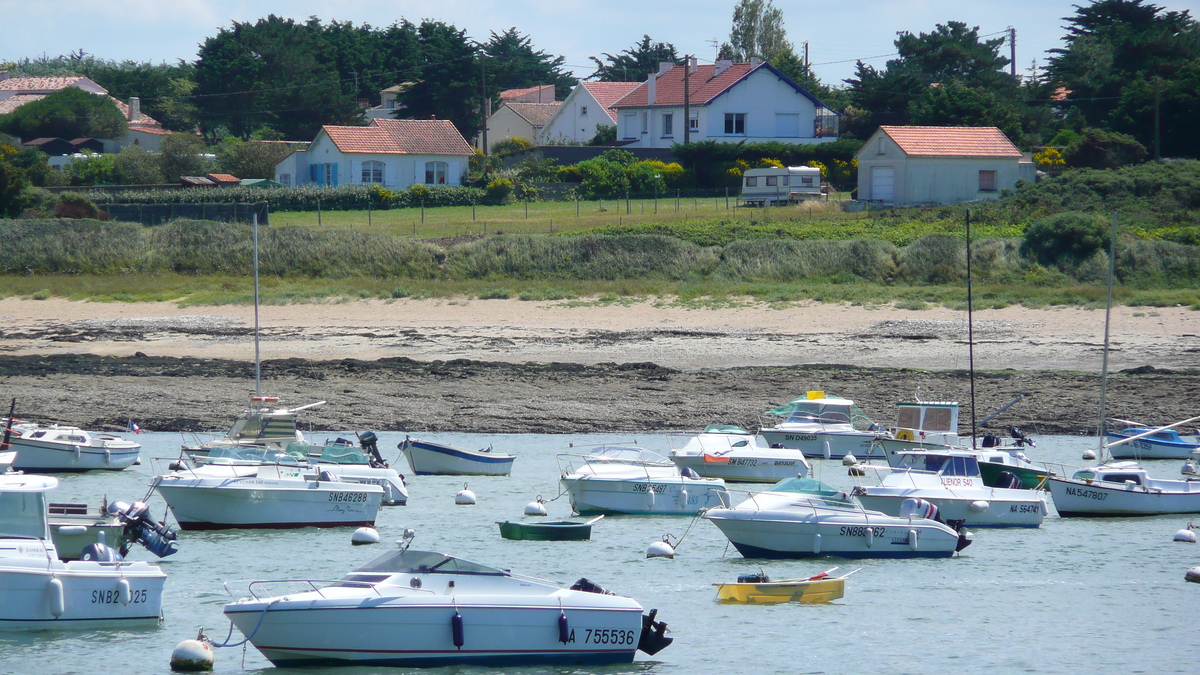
[755, 61]
[664, 66]
[650, 88]
[135, 109]
[692, 65]
[722, 66]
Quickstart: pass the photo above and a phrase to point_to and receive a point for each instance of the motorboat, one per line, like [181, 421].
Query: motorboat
[790, 521]
[1123, 489]
[950, 480]
[40, 591]
[1154, 442]
[427, 458]
[823, 426]
[733, 454]
[74, 527]
[760, 589]
[997, 457]
[264, 424]
[555, 530]
[60, 448]
[630, 479]
[414, 608]
[921, 425]
[213, 497]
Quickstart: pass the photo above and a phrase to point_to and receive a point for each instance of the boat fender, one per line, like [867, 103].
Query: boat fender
[107, 456]
[55, 597]
[77, 452]
[912, 539]
[650, 498]
[979, 506]
[72, 529]
[869, 533]
[816, 544]
[124, 593]
[683, 498]
[564, 628]
[825, 449]
[456, 629]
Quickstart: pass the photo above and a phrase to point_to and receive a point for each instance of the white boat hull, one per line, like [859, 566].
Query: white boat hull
[764, 534]
[435, 459]
[743, 469]
[1001, 511]
[395, 493]
[824, 445]
[1079, 498]
[1144, 448]
[200, 503]
[417, 631]
[591, 495]
[55, 457]
[92, 595]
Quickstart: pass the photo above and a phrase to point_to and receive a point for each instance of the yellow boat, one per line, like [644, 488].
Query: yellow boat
[758, 589]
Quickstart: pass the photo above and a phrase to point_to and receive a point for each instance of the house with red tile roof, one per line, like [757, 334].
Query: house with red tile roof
[586, 109]
[725, 101]
[541, 94]
[143, 129]
[517, 120]
[939, 165]
[392, 153]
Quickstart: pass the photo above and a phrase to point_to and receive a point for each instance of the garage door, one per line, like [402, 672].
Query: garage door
[883, 181]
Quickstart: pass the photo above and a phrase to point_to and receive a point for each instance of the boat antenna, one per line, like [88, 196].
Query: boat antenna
[970, 330]
[257, 362]
[1112, 265]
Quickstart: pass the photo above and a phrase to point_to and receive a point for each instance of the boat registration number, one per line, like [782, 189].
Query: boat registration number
[649, 487]
[347, 496]
[799, 437]
[607, 636]
[1088, 494]
[1024, 508]
[860, 531]
[112, 597]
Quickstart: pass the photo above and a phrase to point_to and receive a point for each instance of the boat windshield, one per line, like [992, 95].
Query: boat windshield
[724, 429]
[947, 465]
[23, 514]
[626, 454]
[251, 453]
[806, 486]
[425, 562]
[342, 453]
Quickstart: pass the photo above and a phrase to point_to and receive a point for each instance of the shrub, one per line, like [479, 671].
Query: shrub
[1099, 149]
[499, 191]
[509, 145]
[75, 205]
[1067, 238]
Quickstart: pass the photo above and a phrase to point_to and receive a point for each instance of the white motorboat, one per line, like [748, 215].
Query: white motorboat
[423, 609]
[794, 520]
[733, 454]
[428, 458]
[263, 424]
[823, 426]
[42, 592]
[951, 481]
[624, 479]
[214, 496]
[1123, 489]
[59, 448]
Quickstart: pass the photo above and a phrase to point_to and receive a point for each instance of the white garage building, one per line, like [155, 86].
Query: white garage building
[938, 165]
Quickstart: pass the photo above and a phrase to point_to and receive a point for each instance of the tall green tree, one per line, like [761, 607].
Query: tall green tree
[275, 73]
[67, 113]
[514, 63]
[134, 165]
[446, 83]
[1126, 61]
[636, 63]
[757, 32]
[183, 155]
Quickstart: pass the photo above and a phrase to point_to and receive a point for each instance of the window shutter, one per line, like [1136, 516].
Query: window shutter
[335, 174]
[355, 173]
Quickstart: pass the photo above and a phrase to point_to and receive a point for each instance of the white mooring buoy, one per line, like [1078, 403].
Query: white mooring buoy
[192, 655]
[849, 459]
[660, 549]
[1089, 454]
[536, 507]
[364, 535]
[1186, 535]
[464, 497]
[1193, 575]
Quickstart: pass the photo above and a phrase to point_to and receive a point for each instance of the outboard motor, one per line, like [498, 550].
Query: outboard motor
[1020, 438]
[918, 508]
[1007, 480]
[100, 552]
[965, 538]
[158, 538]
[756, 578]
[370, 445]
[653, 639]
[589, 587]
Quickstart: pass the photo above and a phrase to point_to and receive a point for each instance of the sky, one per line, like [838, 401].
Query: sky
[837, 32]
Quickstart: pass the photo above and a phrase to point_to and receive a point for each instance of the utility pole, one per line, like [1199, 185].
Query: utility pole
[483, 102]
[687, 99]
[1012, 48]
[807, 74]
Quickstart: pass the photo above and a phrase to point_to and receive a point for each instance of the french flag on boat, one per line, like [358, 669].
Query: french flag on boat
[133, 426]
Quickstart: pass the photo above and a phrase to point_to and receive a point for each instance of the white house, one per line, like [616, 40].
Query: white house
[725, 101]
[938, 165]
[517, 120]
[588, 106]
[389, 102]
[392, 153]
[143, 129]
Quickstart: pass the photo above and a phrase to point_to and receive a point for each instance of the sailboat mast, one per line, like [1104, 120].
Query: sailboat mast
[1112, 265]
[970, 330]
[257, 362]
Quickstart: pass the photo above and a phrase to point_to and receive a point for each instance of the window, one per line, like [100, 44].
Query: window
[735, 123]
[327, 170]
[668, 125]
[285, 179]
[583, 110]
[372, 172]
[772, 181]
[879, 147]
[435, 173]
[987, 181]
[694, 120]
[391, 104]
[751, 181]
[645, 121]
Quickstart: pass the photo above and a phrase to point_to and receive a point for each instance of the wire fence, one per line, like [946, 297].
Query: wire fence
[157, 214]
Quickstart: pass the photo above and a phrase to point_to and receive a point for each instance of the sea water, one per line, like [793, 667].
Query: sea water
[1076, 595]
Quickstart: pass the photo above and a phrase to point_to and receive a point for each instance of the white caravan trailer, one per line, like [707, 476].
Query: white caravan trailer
[773, 185]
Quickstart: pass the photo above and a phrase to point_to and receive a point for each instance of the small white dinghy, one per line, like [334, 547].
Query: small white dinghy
[40, 591]
[439, 459]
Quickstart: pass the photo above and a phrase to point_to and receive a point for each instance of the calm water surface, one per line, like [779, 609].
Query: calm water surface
[1015, 601]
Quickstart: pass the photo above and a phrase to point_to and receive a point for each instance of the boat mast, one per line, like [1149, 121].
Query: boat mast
[257, 362]
[970, 331]
[1112, 264]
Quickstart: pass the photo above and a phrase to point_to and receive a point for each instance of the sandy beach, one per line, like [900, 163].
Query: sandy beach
[511, 365]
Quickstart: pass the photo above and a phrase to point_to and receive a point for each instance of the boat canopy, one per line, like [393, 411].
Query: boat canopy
[251, 453]
[261, 425]
[812, 488]
[425, 562]
[824, 411]
[724, 429]
[627, 455]
[939, 417]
